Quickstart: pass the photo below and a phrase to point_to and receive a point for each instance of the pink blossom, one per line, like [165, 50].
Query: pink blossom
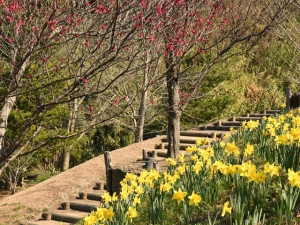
[13, 7]
[159, 10]
[143, 3]
[9, 18]
[100, 9]
[178, 2]
[10, 40]
[152, 101]
[151, 38]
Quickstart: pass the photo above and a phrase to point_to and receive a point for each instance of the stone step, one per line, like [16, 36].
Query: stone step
[203, 133]
[244, 118]
[47, 222]
[272, 111]
[91, 195]
[259, 115]
[197, 133]
[69, 216]
[222, 128]
[189, 139]
[81, 205]
[183, 146]
[228, 123]
[163, 153]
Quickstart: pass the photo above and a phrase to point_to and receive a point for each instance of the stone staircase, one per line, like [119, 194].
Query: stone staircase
[213, 132]
[72, 211]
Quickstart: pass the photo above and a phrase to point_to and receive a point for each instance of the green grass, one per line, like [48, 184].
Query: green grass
[43, 175]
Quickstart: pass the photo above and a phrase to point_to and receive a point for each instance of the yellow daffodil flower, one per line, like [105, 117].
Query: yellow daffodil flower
[136, 201]
[249, 149]
[294, 178]
[194, 199]
[109, 213]
[271, 169]
[181, 158]
[132, 213]
[226, 209]
[179, 195]
[90, 220]
[106, 197]
[198, 167]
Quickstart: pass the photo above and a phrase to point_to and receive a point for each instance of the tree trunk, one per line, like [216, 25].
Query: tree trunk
[141, 118]
[65, 162]
[4, 113]
[143, 104]
[174, 114]
[9, 102]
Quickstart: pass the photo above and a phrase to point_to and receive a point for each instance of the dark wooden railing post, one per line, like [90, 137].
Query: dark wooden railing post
[288, 97]
[108, 166]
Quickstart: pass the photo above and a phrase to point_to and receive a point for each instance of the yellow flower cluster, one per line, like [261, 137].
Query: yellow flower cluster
[251, 124]
[179, 196]
[246, 169]
[284, 130]
[102, 214]
[231, 148]
[200, 142]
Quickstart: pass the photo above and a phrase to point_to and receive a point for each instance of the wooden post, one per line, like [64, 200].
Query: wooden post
[144, 154]
[156, 165]
[83, 195]
[154, 154]
[109, 179]
[288, 97]
[48, 216]
[213, 135]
